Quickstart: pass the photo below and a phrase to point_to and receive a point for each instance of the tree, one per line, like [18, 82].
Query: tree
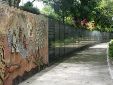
[14, 3]
[49, 11]
[78, 9]
[98, 11]
[29, 8]
[104, 14]
[61, 7]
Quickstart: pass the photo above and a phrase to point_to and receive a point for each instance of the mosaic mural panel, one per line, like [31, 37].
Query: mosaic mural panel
[23, 43]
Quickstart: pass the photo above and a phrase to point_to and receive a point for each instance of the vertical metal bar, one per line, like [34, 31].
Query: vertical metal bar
[59, 38]
[54, 38]
[64, 39]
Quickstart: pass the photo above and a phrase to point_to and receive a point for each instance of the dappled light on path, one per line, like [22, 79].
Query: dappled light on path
[102, 45]
[88, 67]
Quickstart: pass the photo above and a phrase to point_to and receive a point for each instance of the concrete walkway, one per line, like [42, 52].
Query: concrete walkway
[88, 67]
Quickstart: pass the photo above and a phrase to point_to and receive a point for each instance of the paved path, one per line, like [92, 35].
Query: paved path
[88, 67]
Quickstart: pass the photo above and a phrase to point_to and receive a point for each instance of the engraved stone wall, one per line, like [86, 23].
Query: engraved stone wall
[23, 43]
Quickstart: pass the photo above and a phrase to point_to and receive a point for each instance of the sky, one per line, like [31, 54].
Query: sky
[37, 4]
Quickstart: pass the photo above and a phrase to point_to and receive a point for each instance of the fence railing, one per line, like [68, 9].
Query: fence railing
[64, 39]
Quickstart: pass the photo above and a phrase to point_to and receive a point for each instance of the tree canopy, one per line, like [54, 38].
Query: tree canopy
[98, 11]
[29, 8]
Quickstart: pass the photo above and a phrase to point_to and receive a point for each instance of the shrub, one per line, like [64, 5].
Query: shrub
[111, 48]
[29, 8]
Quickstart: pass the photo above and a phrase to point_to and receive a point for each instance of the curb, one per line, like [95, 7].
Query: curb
[110, 66]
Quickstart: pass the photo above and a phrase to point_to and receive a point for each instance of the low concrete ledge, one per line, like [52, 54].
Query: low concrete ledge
[110, 63]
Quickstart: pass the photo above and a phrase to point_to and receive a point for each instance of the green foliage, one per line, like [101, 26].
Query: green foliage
[29, 8]
[104, 13]
[111, 49]
[63, 42]
[14, 3]
[61, 7]
[48, 10]
[74, 8]
[99, 11]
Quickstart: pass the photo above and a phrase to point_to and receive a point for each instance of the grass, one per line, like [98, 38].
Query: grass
[111, 49]
[67, 41]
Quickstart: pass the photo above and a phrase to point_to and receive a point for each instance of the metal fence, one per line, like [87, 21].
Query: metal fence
[64, 39]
